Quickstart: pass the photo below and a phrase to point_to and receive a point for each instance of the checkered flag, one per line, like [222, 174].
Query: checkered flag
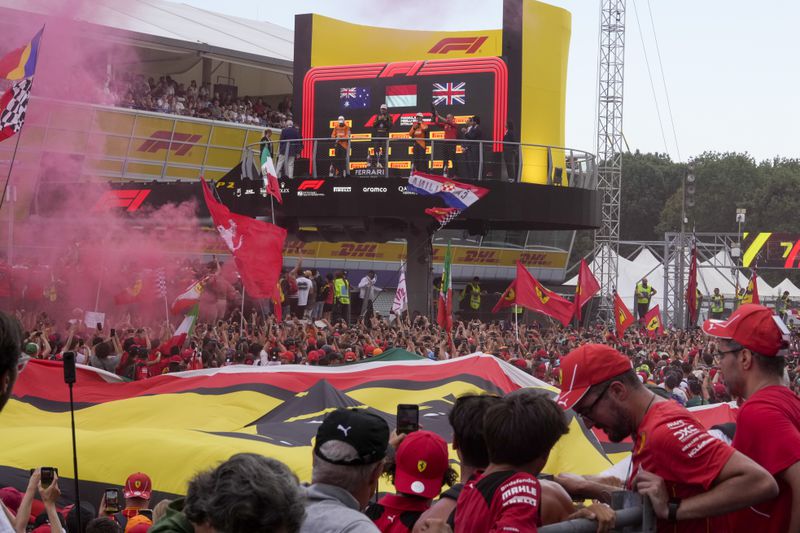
[13, 105]
[161, 283]
[443, 215]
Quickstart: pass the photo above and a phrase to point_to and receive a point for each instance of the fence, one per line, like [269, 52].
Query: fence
[634, 515]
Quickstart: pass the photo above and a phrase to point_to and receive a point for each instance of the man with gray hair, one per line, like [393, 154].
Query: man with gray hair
[349, 456]
[288, 147]
[246, 493]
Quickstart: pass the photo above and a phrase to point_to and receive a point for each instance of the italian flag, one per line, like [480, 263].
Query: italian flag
[444, 316]
[270, 175]
[182, 333]
[189, 298]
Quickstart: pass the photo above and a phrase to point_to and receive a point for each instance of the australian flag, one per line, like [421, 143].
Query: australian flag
[354, 97]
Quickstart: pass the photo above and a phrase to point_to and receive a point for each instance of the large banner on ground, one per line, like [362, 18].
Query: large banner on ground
[175, 425]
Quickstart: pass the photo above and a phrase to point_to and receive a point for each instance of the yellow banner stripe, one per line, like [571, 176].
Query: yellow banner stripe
[755, 247]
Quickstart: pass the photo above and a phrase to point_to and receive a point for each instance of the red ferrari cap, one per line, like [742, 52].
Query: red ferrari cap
[588, 365]
[138, 485]
[753, 326]
[350, 356]
[422, 461]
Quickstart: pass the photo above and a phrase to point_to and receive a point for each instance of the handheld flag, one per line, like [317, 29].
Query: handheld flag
[256, 246]
[190, 297]
[270, 175]
[444, 316]
[652, 323]
[531, 294]
[400, 302]
[691, 288]
[13, 105]
[277, 303]
[587, 287]
[751, 294]
[21, 63]
[182, 333]
[623, 317]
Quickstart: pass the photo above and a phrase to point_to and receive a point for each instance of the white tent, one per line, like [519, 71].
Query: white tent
[787, 285]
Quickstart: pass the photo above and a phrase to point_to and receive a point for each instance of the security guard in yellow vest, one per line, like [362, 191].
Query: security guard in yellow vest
[473, 292]
[740, 296]
[341, 292]
[644, 293]
[717, 305]
[782, 305]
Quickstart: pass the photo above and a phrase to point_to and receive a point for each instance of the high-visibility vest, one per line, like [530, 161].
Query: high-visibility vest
[640, 290]
[342, 289]
[717, 303]
[474, 295]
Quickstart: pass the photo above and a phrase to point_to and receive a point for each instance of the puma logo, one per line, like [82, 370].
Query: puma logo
[344, 429]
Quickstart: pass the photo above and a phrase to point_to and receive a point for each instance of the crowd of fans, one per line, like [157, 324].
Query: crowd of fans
[134, 91]
[694, 480]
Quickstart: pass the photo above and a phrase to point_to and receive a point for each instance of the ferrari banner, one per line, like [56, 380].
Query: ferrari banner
[175, 425]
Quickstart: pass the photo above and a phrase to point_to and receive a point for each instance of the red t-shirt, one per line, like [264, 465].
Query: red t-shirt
[397, 514]
[501, 501]
[450, 128]
[768, 432]
[671, 443]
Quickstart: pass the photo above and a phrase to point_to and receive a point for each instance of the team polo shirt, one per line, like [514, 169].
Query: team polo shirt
[674, 445]
[768, 432]
[397, 514]
[501, 501]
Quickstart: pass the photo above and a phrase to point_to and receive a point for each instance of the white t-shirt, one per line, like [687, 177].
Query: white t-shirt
[5, 525]
[303, 288]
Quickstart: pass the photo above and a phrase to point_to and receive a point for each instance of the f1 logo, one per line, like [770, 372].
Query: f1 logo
[314, 185]
[177, 142]
[132, 199]
[469, 45]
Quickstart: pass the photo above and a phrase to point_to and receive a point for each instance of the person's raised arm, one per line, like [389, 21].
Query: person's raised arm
[50, 496]
[22, 519]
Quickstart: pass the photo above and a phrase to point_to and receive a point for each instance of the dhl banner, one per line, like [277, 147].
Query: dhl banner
[771, 250]
[176, 425]
[395, 252]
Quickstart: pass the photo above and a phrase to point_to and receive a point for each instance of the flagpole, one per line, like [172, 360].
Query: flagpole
[19, 133]
[241, 322]
[516, 320]
[166, 307]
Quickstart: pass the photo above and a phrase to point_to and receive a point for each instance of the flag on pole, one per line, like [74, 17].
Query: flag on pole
[161, 283]
[444, 316]
[256, 246]
[190, 297]
[691, 287]
[531, 294]
[400, 303]
[13, 105]
[623, 317]
[182, 333]
[277, 304]
[652, 323]
[751, 294]
[454, 193]
[587, 287]
[21, 63]
[270, 175]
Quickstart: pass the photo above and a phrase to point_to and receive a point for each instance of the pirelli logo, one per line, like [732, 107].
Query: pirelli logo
[468, 45]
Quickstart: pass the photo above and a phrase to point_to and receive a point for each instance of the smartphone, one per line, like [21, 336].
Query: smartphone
[407, 418]
[113, 332]
[47, 475]
[99, 326]
[146, 512]
[112, 500]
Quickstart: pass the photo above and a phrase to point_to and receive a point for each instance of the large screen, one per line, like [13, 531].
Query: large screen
[464, 87]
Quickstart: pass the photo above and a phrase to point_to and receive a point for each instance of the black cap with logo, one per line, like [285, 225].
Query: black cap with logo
[367, 433]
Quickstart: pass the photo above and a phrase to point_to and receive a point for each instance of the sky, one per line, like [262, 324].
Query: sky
[730, 78]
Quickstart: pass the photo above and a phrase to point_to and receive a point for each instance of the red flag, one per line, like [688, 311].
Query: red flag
[532, 295]
[751, 294]
[142, 289]
[652, 323]
[623, 317]
[257, 246]
[587, 287]
[691, 288]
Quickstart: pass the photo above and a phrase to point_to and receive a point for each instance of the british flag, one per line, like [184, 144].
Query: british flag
[13, 105]
[449, 93]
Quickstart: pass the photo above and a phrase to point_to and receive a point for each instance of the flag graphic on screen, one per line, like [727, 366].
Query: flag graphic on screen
[401, 95]
[354, 97]
[449, 93]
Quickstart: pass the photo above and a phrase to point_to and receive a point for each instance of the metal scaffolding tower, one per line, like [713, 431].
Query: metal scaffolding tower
[609, 145]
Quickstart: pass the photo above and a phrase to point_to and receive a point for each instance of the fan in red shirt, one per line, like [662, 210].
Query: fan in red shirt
[519, 431]
[752, 359]
[692, 479]
[450, 137]
[421, 467]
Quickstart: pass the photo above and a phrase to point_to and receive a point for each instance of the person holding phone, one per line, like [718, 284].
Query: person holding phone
[137, 491]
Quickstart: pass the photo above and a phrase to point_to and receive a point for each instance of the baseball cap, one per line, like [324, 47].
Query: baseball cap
[366, 432]
[138, 485]
[31, 348]
[752, 326]
[350, 356]
[11, 498]
[588, 365]
[341, 118]
[422, 461]
[377, 351]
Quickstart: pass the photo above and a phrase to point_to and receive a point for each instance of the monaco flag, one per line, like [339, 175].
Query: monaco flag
[652, 323]
[587, 287]
[623, 317]
[531, 294]
[256, 246]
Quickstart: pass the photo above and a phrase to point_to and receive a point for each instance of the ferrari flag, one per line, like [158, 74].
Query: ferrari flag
[751, 293]
[623, 317]
[531, 294]
[587, 287]
[652, 322]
